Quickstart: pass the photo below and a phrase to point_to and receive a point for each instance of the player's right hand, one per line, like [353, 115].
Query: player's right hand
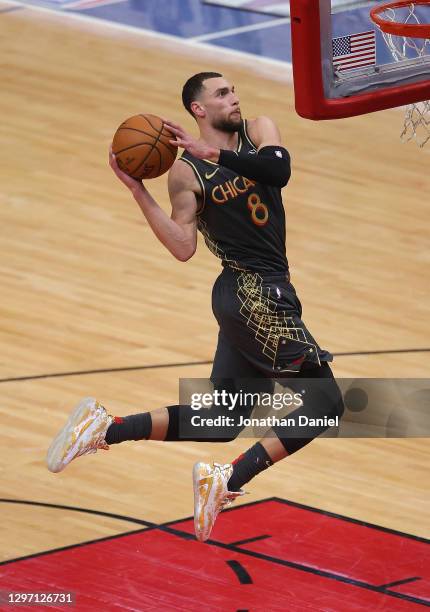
[128, 181]
[197, 147]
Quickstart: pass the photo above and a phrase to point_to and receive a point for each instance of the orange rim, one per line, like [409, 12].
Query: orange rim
[418, 30]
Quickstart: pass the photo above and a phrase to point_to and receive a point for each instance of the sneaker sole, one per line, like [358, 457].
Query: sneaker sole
[197, 475]
[56, 455]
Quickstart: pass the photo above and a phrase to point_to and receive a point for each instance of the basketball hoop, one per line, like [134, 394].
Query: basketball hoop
[408, 38]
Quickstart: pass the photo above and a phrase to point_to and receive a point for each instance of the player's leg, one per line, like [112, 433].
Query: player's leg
[321, 397]
[90, 427]
[261, 316]
[232, 371]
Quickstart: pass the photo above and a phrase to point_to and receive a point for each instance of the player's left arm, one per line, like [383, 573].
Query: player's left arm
[271, 165]
[264, 132]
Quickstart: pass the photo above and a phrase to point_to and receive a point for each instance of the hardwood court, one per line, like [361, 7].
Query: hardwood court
[86, 286]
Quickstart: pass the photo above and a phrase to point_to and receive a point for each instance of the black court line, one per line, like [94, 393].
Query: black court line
[160, 366]
[70, 546]
[152, 525]
[119, 517]
[240, 571]
[383, 352]
[106, 371]
[249, 540]
[166, 527]
[398, 582]
[318, 572]
[347, 519]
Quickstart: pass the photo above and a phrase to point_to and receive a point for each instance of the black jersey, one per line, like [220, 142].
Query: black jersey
[242, 221]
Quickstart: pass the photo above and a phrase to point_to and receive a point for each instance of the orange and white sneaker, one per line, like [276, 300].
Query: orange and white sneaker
[211, 495]
[83, 433]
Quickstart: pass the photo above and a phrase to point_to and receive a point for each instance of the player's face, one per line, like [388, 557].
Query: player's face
[221, 105]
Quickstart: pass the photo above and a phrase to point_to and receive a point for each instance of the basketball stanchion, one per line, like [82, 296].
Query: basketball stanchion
[405, 27]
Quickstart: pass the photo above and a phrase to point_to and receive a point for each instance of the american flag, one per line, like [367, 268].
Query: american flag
[354, 50]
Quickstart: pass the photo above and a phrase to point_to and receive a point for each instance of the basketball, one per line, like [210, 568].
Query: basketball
[142, 148]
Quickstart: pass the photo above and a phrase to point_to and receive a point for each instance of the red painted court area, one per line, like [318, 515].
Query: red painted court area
[270, 555]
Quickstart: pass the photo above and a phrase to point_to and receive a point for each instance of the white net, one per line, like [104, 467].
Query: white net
[417, 123]
[404, 48]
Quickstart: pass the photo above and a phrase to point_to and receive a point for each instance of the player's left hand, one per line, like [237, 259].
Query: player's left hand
[197, 148]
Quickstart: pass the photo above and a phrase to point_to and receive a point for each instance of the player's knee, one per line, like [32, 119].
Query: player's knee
[290, 443]
[328, 401]
[322, 395]
[339, 406]
[231, 423]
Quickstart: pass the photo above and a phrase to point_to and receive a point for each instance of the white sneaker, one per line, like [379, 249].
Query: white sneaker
[211, 495]
[83, 433]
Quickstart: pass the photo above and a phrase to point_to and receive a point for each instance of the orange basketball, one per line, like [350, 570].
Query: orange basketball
[142, 148]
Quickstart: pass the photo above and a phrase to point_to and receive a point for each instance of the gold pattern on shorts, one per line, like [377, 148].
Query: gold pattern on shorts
[272, 326]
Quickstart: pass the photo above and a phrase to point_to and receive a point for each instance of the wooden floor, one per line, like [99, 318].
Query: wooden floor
[86, 286]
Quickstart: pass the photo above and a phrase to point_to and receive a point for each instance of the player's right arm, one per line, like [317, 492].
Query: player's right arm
[178, 232]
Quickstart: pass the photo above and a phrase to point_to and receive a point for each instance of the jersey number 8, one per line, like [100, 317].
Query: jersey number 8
[259, 210]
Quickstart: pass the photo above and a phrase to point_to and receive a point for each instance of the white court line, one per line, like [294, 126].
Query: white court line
[248, 28]
[9, 8]
[268, 67]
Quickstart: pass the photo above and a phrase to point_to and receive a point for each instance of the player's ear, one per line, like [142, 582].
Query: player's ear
[198, 110]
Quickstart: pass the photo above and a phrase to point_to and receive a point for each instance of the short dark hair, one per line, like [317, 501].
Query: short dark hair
[194, 86]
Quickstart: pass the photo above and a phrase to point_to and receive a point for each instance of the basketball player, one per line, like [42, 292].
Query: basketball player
[227, 184]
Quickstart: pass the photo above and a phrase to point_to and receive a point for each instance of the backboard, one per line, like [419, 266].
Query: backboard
[342, 66]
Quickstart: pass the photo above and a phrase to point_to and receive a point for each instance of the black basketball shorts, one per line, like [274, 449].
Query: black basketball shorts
[261, 331]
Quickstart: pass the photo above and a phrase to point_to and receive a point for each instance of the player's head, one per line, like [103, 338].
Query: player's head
[209, 98]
